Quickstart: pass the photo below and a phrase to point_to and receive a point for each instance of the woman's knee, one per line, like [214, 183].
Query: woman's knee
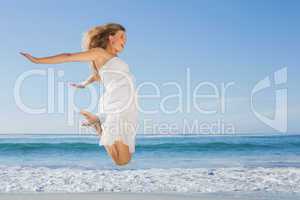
[122, 159]
[122, 162]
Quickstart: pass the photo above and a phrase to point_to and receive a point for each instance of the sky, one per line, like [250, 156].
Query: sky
[177, 51]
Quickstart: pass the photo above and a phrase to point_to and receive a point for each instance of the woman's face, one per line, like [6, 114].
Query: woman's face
[118, 41]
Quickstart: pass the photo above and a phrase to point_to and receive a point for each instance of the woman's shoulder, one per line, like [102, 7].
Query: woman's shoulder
[119, 60]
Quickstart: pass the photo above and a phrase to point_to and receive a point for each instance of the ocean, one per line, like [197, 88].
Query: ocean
[161, 163]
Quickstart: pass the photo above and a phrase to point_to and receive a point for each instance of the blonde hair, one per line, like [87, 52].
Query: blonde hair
[98, 35]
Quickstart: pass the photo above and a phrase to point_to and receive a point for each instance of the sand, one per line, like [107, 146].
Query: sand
[151, 196]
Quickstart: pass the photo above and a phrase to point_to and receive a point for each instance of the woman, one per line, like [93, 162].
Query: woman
[119, 102]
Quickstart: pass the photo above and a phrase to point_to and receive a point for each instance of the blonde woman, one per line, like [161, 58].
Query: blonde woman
[119, 102]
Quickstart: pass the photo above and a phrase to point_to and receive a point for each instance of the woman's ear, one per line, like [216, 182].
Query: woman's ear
[112, 39]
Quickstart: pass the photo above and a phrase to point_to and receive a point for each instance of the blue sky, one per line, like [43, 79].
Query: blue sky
[218, 41]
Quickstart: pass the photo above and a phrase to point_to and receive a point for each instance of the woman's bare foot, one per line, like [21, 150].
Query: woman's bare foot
[92, 120]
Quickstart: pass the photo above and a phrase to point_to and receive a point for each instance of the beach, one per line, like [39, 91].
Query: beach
[166, 167]
[205, 94]
[150, 196]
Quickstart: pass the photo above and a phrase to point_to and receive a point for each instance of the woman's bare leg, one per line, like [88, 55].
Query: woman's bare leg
[92, 118]
[123, 152]
[112, 152]
[119, 151]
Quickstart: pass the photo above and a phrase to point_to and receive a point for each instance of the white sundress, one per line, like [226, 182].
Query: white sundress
[118, 106]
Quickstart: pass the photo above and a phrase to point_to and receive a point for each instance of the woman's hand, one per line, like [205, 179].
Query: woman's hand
[30, 57]
[77, 85]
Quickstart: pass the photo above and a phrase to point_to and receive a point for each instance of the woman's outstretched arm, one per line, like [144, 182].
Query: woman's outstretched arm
[88, 55]
[89, 80]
